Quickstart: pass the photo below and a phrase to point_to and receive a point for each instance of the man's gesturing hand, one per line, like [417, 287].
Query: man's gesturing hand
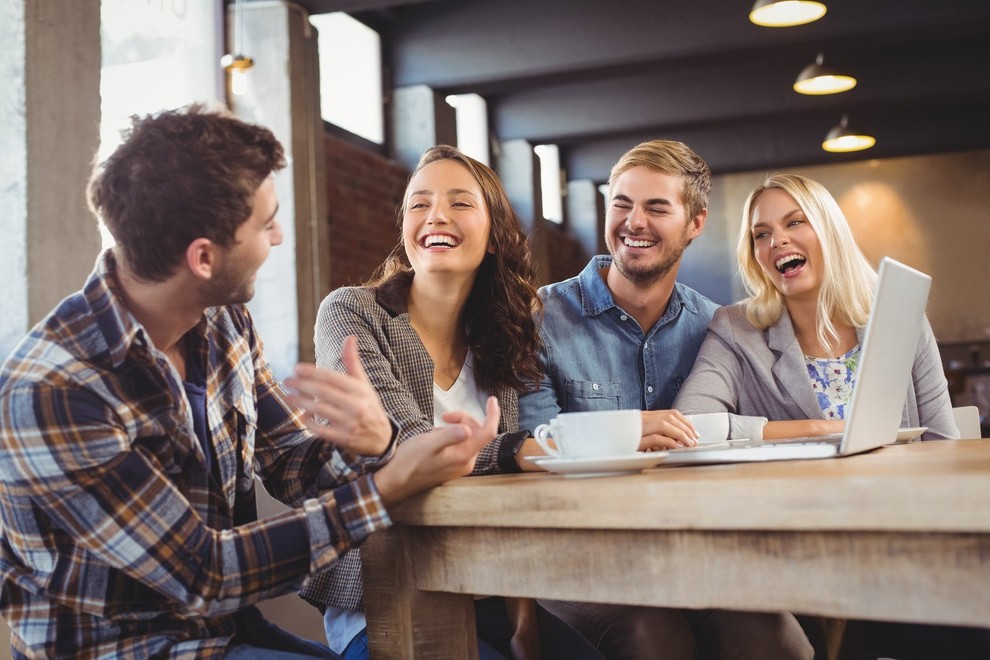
[342, 407]
[429, 459]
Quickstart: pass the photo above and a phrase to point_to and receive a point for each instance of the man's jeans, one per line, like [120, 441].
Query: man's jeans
[260, 639]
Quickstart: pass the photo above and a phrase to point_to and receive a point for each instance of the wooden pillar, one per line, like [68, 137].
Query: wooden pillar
[283, 94]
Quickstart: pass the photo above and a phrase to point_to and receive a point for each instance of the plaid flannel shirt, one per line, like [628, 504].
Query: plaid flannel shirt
[116, 540]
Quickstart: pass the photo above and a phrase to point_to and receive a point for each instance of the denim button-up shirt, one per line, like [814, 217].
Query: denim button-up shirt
[596, 357]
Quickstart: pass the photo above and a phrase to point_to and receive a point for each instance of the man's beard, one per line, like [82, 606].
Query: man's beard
[229, 286]
[651, 273]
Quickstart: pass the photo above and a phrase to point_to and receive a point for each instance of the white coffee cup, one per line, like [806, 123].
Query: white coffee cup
[711, 427]
[597, 433]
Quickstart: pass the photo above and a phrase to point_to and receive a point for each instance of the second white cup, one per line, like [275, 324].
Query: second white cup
[711, 427]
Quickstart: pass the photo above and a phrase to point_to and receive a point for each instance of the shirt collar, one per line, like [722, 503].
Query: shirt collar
[596, 297]
[118, 328]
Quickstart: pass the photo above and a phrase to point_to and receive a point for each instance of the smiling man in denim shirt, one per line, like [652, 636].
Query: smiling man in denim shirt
[624, 334]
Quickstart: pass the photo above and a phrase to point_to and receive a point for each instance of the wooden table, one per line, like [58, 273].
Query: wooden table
[901, 533]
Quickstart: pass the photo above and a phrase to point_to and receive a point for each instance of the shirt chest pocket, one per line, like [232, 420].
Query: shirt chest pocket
[245, 426]
[592, 395]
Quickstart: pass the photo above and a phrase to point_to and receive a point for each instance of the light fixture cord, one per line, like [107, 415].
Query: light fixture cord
[239, 27]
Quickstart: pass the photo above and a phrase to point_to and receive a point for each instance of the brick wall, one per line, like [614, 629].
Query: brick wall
[364, 189]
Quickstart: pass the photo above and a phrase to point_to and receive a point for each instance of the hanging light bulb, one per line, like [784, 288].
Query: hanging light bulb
[817, 79]
[785, 13]
[237, 64]
[842, 139]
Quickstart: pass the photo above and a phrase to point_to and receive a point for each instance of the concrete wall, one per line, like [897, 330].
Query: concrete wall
[47, 146]
[49, 236]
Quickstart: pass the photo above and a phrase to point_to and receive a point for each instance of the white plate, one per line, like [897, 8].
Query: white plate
[599, 466]
[909, 434]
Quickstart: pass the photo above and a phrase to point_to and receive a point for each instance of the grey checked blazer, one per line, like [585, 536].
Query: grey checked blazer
[402, 373]
[751, 372]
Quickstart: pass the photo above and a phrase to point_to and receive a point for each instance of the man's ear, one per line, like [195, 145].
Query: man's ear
[697, 224]
[201, 258]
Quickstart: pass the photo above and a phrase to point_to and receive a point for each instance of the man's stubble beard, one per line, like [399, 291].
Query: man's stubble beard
[654, 273]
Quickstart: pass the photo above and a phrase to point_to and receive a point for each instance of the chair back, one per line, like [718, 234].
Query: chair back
[968, 421]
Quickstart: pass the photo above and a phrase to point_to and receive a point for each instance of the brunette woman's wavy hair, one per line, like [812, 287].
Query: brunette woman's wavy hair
[503, 307]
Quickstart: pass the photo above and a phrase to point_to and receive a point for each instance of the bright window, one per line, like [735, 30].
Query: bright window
[156, 56]
[472, 125]
[350, 75]
[551, 182]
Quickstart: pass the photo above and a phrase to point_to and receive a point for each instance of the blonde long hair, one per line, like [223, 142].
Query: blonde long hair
[849, 280]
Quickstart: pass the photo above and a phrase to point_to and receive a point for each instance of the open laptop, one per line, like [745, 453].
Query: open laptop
[874, 412]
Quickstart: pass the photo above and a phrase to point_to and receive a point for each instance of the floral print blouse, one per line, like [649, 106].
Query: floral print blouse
[832, 380]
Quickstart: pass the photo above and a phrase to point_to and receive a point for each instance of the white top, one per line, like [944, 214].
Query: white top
[464, 395]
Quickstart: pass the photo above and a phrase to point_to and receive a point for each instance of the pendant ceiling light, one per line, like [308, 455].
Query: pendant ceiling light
[843, 139]
[237, 64]
[785, 13]
[817, 79]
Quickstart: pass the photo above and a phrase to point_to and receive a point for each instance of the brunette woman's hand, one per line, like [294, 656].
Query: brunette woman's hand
[429, 459]
[342, 407]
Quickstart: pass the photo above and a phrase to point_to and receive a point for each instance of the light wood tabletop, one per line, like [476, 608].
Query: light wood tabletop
[901, 533]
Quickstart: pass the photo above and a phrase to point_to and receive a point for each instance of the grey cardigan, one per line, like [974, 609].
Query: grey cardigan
[401, 371]
[750, 372]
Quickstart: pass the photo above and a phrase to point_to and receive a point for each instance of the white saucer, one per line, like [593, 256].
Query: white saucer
[909, 434]
[599, 466]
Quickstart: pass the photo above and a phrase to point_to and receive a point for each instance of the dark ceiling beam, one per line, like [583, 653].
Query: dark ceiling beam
[773, 144]
[731, 91]
[455, 45]
[598, 76]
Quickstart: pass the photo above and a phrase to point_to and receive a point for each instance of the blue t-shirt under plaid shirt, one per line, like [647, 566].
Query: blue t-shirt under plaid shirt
[833, 380]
